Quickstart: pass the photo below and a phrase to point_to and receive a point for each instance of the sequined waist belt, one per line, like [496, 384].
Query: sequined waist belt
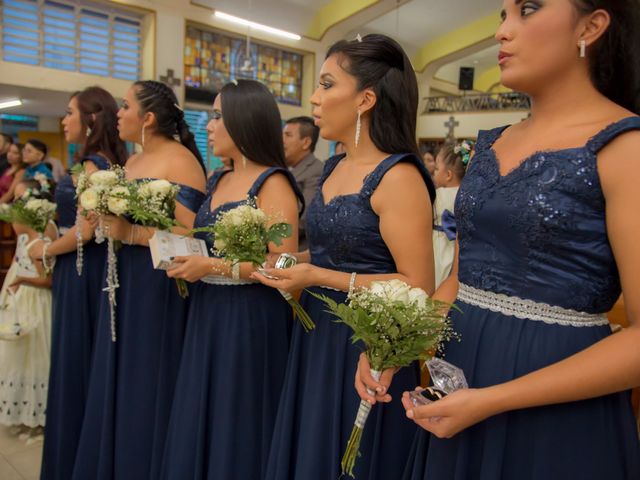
[529, 309]
[220, 280]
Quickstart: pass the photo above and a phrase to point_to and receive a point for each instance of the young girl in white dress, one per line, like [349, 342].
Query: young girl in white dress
[25, 326]
[451, 165]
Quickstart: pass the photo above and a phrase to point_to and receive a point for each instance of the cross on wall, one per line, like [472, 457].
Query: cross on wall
[169, 79]
[451, 124]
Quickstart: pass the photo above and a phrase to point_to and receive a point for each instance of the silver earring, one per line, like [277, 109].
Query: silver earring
[358, 128]
[583, 48]
[143, 138]
[88, 131]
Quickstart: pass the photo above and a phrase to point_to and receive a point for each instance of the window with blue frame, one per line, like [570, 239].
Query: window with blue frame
[72, 36]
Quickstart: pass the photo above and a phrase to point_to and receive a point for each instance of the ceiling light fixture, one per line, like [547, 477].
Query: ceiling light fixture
[256, 26]
[14, 102]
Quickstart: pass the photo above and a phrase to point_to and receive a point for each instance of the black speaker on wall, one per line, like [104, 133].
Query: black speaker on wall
[465, 80]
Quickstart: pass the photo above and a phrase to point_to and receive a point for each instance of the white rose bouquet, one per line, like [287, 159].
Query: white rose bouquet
[35, 213]
[398, 325]
[105, 192]
[152, 204]
[243, 234]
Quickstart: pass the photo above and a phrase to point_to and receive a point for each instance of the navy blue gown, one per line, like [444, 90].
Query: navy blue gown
[319, 402]
[133, 379]
[538, 234]
[231, 372]
[75, 309]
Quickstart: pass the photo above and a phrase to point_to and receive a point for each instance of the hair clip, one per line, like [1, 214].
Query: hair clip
[235, 82]
[359, 38]
[178, 107]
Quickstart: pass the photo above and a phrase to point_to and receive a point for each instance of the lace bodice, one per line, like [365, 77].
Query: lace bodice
[539, 232]
[344, 233]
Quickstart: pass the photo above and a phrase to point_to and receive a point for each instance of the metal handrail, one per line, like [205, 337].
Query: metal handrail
[476, 103]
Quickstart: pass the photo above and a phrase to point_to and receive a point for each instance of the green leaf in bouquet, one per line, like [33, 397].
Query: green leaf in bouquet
[277, 232]
[77, 169]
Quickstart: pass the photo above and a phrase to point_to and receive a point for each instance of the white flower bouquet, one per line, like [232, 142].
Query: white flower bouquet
[243, 234]
[152, 203]
[398, 325]
[35, 213]
[105, 192]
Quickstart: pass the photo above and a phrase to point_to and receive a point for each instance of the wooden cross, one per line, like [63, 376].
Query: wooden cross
[451, 125]
[169, 79]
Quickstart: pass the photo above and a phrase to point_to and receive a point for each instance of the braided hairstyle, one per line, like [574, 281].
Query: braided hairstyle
[159, 99]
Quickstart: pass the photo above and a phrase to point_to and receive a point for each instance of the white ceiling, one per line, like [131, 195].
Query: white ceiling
[38, 102]
[418, 21]
[413, 23]
[481, 61]
[290, 15]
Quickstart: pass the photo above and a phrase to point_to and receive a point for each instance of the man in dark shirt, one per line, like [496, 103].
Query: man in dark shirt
[300, 136]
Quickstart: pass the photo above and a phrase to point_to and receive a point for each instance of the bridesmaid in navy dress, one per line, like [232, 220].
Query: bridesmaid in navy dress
[370, 220]
[545, 246]
[90, 120]
[238, 330]
[133, 378]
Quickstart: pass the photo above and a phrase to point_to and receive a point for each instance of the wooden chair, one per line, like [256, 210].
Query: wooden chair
[7, 249]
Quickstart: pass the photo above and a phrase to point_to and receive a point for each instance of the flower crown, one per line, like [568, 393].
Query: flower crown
[464, 151]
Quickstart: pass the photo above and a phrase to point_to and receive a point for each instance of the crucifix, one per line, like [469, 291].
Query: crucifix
[451, 125]
[169, 79]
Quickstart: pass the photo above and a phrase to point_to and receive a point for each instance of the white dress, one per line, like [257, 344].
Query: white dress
[443, 248]
[25, 344]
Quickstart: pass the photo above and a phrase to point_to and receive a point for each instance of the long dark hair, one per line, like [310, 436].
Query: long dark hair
[252, 118]
[614, 62]
[99, 112]
[379, 62]
[159, 99]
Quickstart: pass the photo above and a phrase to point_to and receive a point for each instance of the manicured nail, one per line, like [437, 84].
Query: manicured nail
[410, 414]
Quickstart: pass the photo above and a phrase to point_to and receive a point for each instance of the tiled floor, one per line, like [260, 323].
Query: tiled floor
[17, 460]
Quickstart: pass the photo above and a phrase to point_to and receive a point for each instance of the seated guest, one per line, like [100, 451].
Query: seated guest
[429, 161]
[12, 175]
[300, 136]
[33, 156]
[5, 143]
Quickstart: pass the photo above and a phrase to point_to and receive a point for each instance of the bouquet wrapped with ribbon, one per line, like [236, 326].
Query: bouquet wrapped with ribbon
[243, 234]
[105, 192]
[397, 325]
[152, 203]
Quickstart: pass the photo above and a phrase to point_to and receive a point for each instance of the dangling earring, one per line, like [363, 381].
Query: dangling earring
[88, 131]
[143, 137]
[244, 162]
[583, 48]
[358, 128]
